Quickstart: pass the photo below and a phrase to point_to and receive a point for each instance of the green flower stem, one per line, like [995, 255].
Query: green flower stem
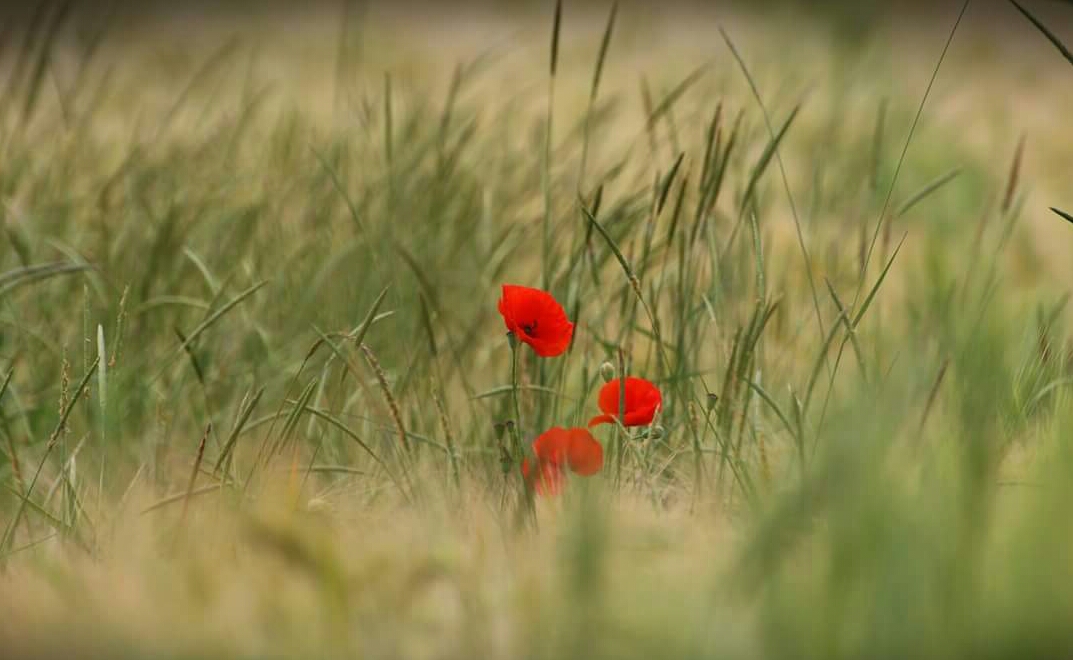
[518, 451]
[517, 434]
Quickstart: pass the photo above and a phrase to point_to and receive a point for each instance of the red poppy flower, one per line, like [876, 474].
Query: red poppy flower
[558, 449]
[536, 318]
[642, 401]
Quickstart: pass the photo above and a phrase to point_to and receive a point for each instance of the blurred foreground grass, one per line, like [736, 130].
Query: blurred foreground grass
[865, 448]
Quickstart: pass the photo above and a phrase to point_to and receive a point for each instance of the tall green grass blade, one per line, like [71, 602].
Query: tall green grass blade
[546, 234]
[878, 283]
[555, 30]
[347, 431]
[927, 190]
[665, 186]
[507, 389]
[244, 412]
[773, 150]
[19, 277]
[1055, 41]
[817, 367]
[1062, 214]
[851, 332]
[877, 146]
[44, 53]
[219, 313]
[605, 43]
[672, 97]
[765, 158]
[791, 428]
[905, 150]
[189, 350]
[389, 139]
[9, 532]
[290, 424]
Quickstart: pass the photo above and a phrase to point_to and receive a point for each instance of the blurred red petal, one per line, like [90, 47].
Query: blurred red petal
[642, 400]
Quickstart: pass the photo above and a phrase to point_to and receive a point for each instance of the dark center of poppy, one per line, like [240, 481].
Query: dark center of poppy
[530, 328]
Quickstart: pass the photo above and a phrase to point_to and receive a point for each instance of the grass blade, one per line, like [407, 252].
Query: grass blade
[672, 97]
[879, 282]
[218, 314]
[236, 430]
[665, 187]
[850, 331]
[905, 150]
[361, 443]
[13, 279]
[9, 533]
[918, 196]
[1047, 33]
[765, 158]
[193, 473]
[43, 58]
[605, 43]
[1062, 214]
[555, 29]
[774, 407]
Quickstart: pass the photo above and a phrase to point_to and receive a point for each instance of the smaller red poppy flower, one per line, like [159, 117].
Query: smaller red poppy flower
[557, 450]
[536, 318]
[642, 401]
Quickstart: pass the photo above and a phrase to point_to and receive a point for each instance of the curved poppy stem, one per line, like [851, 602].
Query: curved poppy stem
[514, 388]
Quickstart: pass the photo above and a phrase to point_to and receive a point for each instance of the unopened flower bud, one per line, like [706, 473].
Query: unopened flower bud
[607, 372]
[713, 399]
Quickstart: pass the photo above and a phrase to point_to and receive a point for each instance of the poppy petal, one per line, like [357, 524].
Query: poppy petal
[508, 304]
[639, 417]
[601, 419]
[642, 399]
[554, 345]
[536, 318]
[555, 450]
[585, 454]
[608, 398]
[551, 445]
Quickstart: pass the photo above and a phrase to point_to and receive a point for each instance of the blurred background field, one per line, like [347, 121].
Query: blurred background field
[250, 252]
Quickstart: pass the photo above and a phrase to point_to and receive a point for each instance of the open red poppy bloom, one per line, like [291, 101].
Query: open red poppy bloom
[558, 449]
[642, 401]
[535, 317]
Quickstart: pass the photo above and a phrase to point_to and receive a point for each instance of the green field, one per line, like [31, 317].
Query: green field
[257, 401]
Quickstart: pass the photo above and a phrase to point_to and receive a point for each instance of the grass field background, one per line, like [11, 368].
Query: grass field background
[253, 383]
